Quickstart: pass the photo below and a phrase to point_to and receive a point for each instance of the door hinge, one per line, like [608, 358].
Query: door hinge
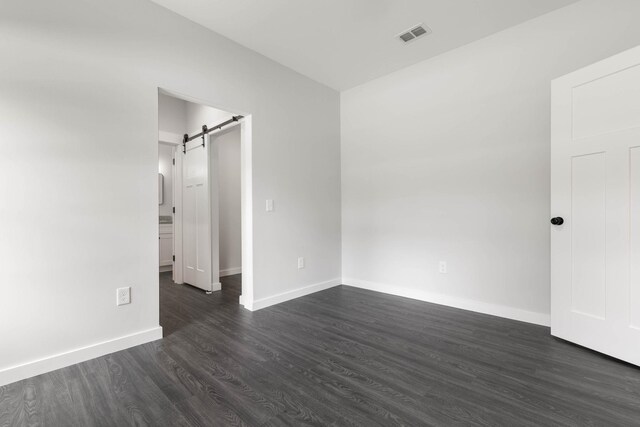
[174, 209]
[174, 257]
[174, 161]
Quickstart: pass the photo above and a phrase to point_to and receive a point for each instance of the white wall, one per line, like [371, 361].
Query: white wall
[172, 114]
[229, 201]
[198, 115]
[165, 167]
[79, 106]
[449, 160]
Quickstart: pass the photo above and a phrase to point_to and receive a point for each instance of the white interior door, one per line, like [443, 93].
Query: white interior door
[196, 216]
[595, 188]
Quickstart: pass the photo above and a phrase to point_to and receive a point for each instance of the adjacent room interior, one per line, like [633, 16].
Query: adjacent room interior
[199, 148]
[352, 212]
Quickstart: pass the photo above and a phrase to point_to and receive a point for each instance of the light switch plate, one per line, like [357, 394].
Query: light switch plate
[269, 205]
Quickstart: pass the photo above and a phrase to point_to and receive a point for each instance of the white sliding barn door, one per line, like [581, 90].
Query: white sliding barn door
[595, 188]
[196, 218]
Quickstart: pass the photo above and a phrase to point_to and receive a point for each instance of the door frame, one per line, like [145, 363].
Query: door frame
[246, 189]
[177, 217]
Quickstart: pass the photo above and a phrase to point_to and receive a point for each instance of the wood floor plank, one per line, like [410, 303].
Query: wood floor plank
[11, 396]
[341, 357]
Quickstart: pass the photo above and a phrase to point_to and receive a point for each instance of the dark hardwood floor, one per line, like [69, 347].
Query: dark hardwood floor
[340, 357]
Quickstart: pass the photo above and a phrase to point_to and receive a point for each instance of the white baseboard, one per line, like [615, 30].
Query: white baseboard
[451, 301]
[289, 295]
[230, 271]
[61, 360]
[216, 287]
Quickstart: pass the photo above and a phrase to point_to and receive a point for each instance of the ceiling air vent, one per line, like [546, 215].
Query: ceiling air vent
[414, 32]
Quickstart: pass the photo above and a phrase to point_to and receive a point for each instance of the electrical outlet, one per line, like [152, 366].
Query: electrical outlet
[442, 267]
[300, 262]
[123, 296]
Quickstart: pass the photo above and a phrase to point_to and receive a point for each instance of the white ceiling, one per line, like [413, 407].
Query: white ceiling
[344, 43]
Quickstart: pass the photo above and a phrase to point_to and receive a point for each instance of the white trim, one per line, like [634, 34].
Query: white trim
[216, 287]
[230, 271]
[289, 295]
[61, 360]
[451, 301]
[213, 161]
[246, 206]
[177, 218]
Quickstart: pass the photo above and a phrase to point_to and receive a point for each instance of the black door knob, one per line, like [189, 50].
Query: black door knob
[557, 220]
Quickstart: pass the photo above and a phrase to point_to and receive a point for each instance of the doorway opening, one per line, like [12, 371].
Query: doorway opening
[204, 203]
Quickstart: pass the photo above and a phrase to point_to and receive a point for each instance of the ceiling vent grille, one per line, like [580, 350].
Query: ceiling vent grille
[414, 32]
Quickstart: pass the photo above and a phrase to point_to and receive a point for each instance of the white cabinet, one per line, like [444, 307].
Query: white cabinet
[166, 246]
